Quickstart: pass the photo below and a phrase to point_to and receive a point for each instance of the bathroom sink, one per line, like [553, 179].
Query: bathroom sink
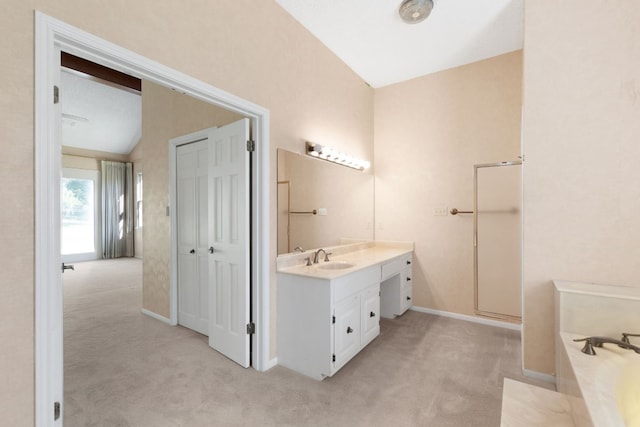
[335, 265]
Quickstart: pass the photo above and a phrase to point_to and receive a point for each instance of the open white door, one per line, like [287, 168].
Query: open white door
[229, 236]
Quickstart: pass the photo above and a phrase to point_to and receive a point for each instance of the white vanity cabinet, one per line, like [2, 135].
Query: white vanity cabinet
[396, 287]
[323, 323]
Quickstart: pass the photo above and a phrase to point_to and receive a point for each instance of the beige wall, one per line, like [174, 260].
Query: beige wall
[166, 114]
[582, 145]
[264, 56]
[429, 132]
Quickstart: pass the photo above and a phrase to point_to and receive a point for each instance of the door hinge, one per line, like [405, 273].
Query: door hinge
[333, 358]
[251, 146]
[333, 320]
[56, 94]
[251, 328]
[56, 410]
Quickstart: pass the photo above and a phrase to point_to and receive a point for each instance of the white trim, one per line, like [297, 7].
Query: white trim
[474, 319]
[51, 35]
[155, 316]
[272, 363]
[539, 376]
[47, 281]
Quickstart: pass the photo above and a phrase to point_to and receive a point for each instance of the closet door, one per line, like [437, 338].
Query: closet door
[192, 217]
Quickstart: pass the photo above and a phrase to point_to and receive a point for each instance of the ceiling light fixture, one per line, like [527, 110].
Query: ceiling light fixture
[414, 11]
[323, 152]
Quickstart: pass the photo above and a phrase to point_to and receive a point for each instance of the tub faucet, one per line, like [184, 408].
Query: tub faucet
[326, 256]
[591, 342]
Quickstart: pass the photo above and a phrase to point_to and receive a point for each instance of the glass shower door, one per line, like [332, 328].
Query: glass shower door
[498, 239]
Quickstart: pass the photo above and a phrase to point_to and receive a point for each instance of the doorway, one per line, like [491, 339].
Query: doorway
[51, 37]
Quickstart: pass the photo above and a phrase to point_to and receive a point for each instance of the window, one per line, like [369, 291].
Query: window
[139, 200]
[79, 205]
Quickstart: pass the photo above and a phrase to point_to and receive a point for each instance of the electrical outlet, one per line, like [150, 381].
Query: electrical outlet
[440, 211]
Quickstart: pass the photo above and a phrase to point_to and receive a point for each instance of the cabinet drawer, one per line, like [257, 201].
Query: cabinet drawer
[355, 282]
[393, 267]
[406, 298]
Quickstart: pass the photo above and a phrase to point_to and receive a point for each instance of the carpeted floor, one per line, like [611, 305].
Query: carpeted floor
[123, 368]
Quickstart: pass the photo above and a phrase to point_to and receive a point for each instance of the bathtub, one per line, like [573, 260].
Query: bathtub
[604, 389]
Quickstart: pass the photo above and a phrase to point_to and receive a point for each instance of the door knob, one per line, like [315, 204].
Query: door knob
[192, 251]
[349, 330]
[211, 250]
[67, 267]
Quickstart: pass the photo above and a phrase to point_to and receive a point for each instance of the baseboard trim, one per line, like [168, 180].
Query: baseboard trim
[474, 319]
[156, 316]
[539, 376]
[271, 363]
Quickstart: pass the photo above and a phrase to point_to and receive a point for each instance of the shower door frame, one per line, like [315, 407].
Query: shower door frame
[498, 316]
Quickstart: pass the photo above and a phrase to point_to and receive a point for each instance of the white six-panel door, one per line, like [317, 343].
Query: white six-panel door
[229, 236]
[192, 174]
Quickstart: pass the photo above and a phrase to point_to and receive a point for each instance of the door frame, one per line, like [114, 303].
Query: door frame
[52, 35]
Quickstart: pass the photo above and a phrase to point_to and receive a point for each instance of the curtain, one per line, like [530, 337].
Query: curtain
[117, 209]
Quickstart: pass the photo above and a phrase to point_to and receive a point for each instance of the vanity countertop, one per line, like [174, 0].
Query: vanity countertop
[362, 256]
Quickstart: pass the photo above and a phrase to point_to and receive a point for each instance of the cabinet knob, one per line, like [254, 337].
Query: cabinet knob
[408, 279]
[372, 314]
[192, 251]
[408, 262]
[408, 298]
[349, 330]
[211, 250]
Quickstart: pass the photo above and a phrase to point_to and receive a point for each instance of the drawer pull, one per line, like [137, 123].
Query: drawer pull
[349, 330]
[408, 298]
[372, 314]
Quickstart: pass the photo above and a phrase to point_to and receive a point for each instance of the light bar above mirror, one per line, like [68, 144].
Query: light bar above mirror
[325, 153]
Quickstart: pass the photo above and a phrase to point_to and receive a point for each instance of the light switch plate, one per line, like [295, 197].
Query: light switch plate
[440, 211]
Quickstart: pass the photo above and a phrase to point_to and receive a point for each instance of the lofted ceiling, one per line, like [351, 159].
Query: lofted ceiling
[98, 115]
[370, 37]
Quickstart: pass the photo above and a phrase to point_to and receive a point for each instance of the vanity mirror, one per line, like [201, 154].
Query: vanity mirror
[319, 203]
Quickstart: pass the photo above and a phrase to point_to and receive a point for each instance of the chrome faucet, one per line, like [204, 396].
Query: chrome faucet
[326, 256]
[591, 342]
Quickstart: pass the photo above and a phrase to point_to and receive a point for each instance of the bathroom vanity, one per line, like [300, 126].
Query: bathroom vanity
[329, 311]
